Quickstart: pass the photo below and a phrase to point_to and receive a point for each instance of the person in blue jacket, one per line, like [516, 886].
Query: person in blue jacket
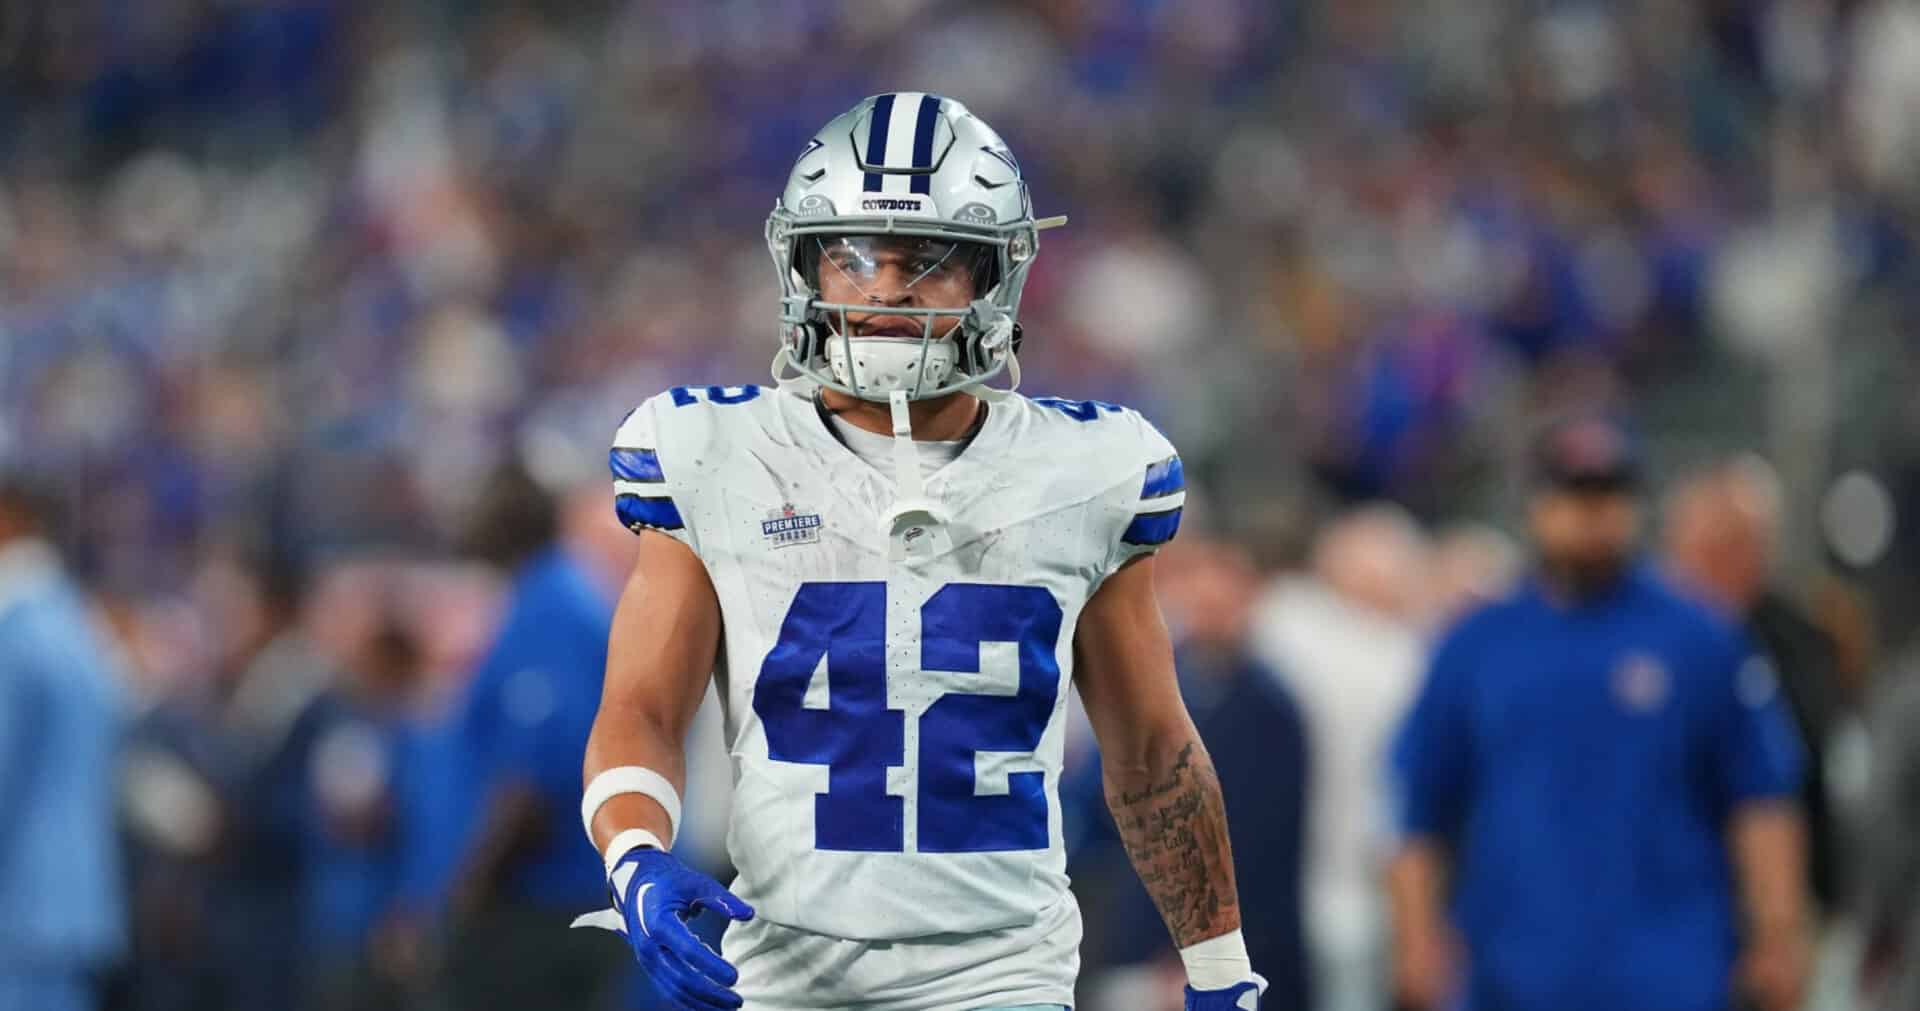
[1602, 772]
[64, 926]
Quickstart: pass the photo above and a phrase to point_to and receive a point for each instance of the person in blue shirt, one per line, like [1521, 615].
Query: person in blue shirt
[60, 727]
[352, 748]
[1605, 777]
[521, 733]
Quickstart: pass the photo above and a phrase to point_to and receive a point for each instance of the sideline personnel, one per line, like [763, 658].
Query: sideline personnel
[1604, 770]
[1722, 533]
[59, 739]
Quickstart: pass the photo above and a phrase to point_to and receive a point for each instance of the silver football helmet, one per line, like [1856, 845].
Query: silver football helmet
[916, 179]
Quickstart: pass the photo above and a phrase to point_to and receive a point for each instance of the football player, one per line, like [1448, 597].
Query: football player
[891, 570]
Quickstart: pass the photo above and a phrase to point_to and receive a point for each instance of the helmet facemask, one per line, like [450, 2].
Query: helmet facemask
[924, 351]
[900, 300]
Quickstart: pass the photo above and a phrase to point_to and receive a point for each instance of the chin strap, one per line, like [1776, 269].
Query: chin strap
[916, 528]
[997, 331]
[782, 361]
[995, 394]
[906, 456]
[788, 379]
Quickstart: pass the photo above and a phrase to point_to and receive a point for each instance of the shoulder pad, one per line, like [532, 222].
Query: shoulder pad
[1144, 482]
[1161, 493]
[660, 450]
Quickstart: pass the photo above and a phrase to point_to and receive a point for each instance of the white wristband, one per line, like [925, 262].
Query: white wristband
[631, 779]
[1217, 962]
[623, 844]
[626, 842]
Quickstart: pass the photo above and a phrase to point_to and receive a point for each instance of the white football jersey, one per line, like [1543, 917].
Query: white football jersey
[896, 727]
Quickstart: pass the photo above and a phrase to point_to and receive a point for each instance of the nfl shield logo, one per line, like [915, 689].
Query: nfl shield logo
[786, 526]
[1640, 682]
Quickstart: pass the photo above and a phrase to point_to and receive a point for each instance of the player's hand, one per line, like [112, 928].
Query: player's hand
[1426, 967]
[1774, 967]
[1244, 996]
[654, 906]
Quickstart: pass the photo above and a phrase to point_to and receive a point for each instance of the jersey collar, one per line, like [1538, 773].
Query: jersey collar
[986, 418]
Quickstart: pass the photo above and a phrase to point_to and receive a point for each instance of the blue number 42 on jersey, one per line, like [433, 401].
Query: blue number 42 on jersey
[858, 738]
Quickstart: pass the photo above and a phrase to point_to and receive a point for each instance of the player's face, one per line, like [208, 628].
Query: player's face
[897, 271]
[1585, 537]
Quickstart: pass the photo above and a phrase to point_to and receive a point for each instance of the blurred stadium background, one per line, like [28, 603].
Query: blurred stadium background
[292, 292]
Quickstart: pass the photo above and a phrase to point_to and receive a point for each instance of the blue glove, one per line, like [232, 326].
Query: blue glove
[1238, 997]
[660, 898]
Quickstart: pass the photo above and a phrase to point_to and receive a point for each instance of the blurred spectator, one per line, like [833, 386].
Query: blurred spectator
[1472, 565]
[264, 674]
[1722, 529]
[178, 778]
[1255, 735]
[528, 870]
[211, 772]
[266, 669]
[1606, 776]
[353, 750]
[1346, 641]
[60, 724]
[1890, 886]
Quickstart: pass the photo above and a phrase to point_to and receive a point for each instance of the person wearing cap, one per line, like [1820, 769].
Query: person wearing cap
[1595, 789]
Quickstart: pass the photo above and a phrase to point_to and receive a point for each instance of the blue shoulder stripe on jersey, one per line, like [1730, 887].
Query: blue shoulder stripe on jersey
[1163, 479]
[877, 139]
[635, 465]
[1149, 529]
[636, 511]
[923, 130]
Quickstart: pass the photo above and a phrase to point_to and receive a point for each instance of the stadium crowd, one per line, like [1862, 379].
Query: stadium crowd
[317, 317]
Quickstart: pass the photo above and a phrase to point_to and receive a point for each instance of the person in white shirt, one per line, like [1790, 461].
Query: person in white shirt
[1347, 639]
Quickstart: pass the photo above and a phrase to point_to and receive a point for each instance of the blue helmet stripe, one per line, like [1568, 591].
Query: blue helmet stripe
[923, 131]
[877, 139]
[1149, 529]
[634, 465]
[636, 511]
[1163, 478]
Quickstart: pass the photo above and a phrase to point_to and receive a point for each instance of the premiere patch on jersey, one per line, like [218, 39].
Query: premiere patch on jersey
[786, 526]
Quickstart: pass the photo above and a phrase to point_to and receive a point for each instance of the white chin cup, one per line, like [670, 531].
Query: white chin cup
[882, 365]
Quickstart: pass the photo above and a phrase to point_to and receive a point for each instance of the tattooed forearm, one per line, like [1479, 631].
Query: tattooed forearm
[1174, 826]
